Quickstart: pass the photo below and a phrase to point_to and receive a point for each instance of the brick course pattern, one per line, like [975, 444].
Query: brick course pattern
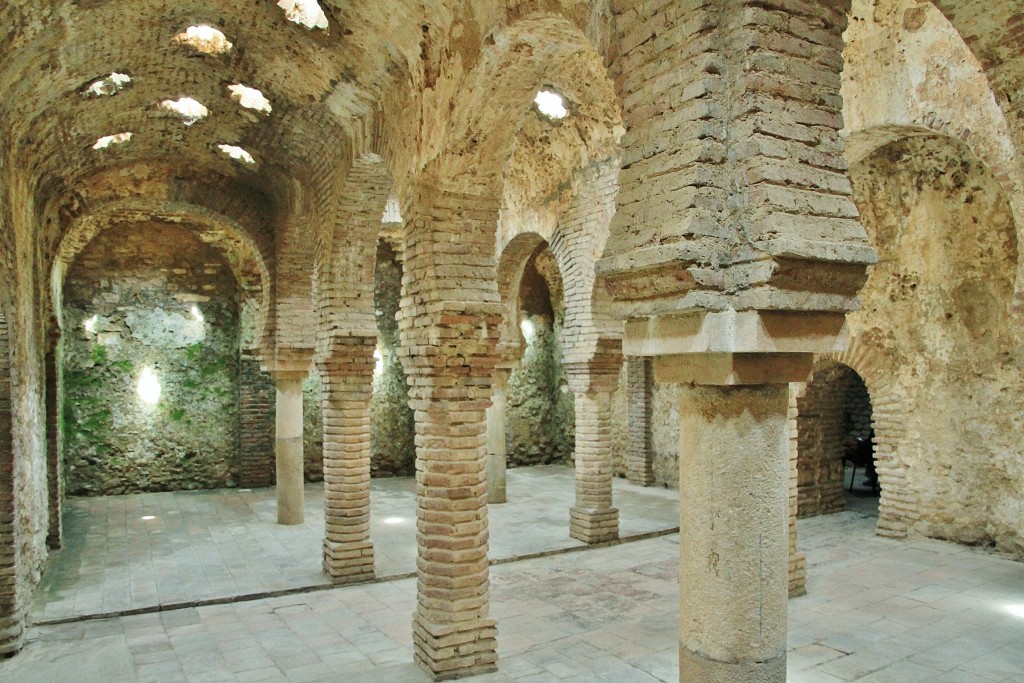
[639, 455]
[347, 378]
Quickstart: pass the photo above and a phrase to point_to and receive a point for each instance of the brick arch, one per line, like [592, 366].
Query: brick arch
[898, 506]
[577, 244]
[345, 252]
[512, 262]
[242, 253]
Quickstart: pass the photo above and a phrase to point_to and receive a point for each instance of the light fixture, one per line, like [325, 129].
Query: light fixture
[205, 39]
[551, 105]
[187, 108]
[149, 386]
[250, 98]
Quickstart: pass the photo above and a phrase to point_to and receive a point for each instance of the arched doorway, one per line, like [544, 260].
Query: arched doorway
[835, 443]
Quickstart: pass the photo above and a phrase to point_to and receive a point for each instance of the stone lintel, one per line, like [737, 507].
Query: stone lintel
[730, 331]
[733, 369]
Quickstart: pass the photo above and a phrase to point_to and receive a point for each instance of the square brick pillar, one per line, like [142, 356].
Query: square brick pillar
[347, 378]
[449, 323]
[639, 385]
[13, 602]
[593, 519]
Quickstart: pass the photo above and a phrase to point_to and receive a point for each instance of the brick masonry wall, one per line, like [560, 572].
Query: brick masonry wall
[12, 602]
[256, 425]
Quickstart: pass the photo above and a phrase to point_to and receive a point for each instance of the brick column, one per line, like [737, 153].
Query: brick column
[639, 462]
[449, 323]
[592, 518]
[497, 455]
[290, 467]
[54, 447]
[256, 427]
[12, 603]
[347, 377]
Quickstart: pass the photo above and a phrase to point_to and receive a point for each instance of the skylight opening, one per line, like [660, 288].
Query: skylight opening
[188, 109]
[109, 85]
[250, 98]
[551, 105]
[238, 154]
[307, 13]
[205, 39]
[108, 140]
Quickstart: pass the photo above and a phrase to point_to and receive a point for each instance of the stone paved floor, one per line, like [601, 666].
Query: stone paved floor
[877, 611]
[125, 553]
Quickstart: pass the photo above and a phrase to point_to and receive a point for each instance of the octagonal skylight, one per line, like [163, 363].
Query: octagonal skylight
[307, 13]
[108, 85]
[551, 104]
[187, 108]
[115, 139]
[205, 39]
[250, 98]
[238, 154]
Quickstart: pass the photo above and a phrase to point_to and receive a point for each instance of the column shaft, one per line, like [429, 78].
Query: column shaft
[733, 490]
[593, 519]
[497, 454]
[348, 386]
[288, 448]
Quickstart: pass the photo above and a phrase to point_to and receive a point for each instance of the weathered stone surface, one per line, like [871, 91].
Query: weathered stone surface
[162, 300]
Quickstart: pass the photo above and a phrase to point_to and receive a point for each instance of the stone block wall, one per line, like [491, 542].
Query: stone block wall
[150, 299]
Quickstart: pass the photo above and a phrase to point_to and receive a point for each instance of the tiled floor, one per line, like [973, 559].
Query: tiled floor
[125, 553]
[877, 610]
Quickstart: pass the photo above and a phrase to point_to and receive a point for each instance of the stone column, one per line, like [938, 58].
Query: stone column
[288, 446]
[497, 455]
[347, 376]
[593, 519]
[639, 465]
[734, 502]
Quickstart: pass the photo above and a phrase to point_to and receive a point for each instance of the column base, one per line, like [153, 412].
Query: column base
[450, 651]
[697, 667]
[594, 526]
[349, 563]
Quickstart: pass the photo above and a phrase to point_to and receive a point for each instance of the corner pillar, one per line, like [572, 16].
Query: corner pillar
[593, 519]
[288, 440]
[347, 377]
